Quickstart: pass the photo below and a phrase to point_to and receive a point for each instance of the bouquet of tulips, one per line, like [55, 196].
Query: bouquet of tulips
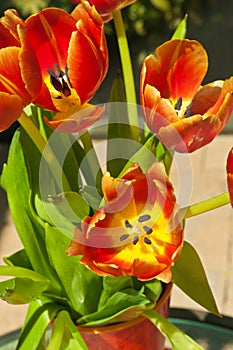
[100, 225]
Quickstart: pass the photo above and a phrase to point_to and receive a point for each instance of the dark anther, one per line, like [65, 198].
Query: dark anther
[58, 81]
[188, 113]
[147, 240]
[178, 104]
[124, 237]
[147, 229]
[128, 224]
[143, 218]
[55, 80]
[135, 240]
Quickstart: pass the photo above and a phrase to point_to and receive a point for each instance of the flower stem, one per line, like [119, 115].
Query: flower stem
[92, 166]
[206, 205]
[127, 70]
[44, 149]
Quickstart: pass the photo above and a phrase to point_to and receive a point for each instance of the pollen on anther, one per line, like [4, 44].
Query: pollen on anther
[188, 113]
[124, 237]
[144, 217]
[148, 229]
[135, 240]
[178, 104]
[128, 224]
[147, 240]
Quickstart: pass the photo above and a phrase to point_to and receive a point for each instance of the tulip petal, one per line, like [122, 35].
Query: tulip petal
[11, 107]
[87, 55]
[9, 24]
[49, 32]
[230, 174]
[76, 119]
[10, 74]
[30, 69]
[189, 134]
[184, 63]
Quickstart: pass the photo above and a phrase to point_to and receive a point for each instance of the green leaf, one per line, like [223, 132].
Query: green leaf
[39, 317]
[153, 289]
[19, 258]
[19, 180]
[176, 337]
[180, 32]
[119, 128]
[111, 285]
[189, 275]
[65, 334]
[121, 306]
[21, 290]
[81, 285]
[145, 156]
[71, 205]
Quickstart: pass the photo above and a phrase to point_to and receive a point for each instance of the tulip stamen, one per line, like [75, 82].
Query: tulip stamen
[188, 113]
[137, 229]
[178, 104]
[60, 80]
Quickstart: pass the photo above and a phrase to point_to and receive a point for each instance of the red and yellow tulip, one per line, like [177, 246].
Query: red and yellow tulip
[184, 115]
[230, 174]
[20, 75]
[137, 231]
[61, 61]
[107, 7]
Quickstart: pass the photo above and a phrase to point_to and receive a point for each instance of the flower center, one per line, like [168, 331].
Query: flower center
[137, 228]
[183, 109]
[63, 95]
[60, 80]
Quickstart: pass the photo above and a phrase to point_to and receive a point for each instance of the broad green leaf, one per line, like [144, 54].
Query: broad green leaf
[121, 306]
[145, 156]
[91, 195]
[22, 272]
[19, 259]
[18, 188]
[71, 205]
[189, 275]
[153, 289]
[65, 334]
[119, 129]
[37, 321]
[81, 285]
[21, 290]
[112, 285]
[176, 337]
[180, 32]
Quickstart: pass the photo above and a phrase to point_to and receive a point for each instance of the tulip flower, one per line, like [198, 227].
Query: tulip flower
[184, 115]
[73, 57]
[65, 58]
[136, 232]
[20, 73]
[230, 174]
[107, 7]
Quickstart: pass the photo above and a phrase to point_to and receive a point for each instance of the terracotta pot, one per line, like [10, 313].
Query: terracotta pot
[139, 334]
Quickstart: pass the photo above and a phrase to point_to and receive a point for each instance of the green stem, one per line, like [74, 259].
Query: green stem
[93, 166]
[127, 70]
[44, 149]
[206, 205]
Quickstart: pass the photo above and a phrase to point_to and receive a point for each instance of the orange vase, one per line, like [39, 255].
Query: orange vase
[139, 334]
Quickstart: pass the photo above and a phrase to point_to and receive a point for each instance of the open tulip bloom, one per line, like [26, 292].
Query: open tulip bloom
[103, 234]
